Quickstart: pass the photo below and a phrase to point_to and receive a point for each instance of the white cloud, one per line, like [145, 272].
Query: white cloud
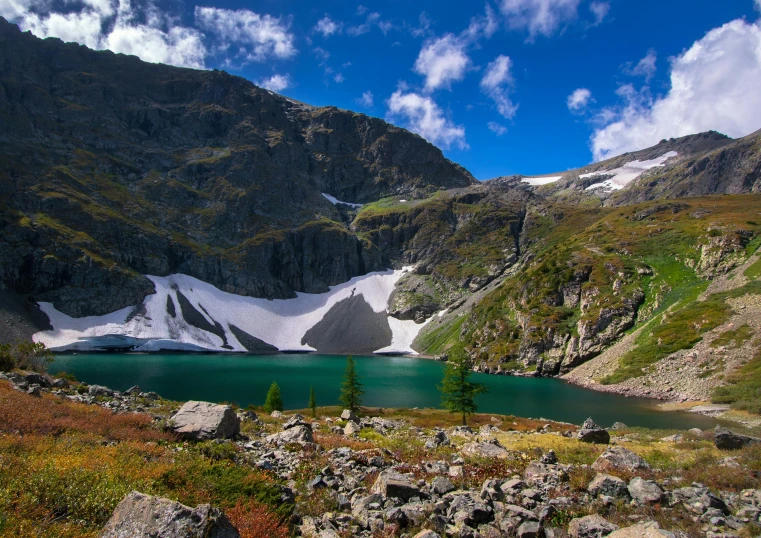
[339, 78]
[425, 25]
[758, 5]
[485, 25]
[327, 26]
[442, 61]
[646, 67]
[372, 18]
[600, 10]
[366, 100]
[578, 99]
[424, 117]
[321, 54]
[176, 46]
[83, 27]
[714, 85]
[539, 17]
[496, 128]
[256, 37]
[275, 83]
[497, 83]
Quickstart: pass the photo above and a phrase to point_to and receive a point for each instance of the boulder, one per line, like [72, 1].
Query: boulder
[133, 390]
[611, 486]
[349, 415]
[592, 433]
[277, 414]
[645, 491]
[592, 526]
[33, 378]
[486, 450]
[439, 439]
[648, 529]
[394, 484]
[297, 434]
[198, 421]
[426, 534]
[729, 440]
[351, 428]
[530, 529]
[441, 485]
[145, 516]
[99, 390]
[59, 383]
[618, 426]
[619, 458]
[295, 420]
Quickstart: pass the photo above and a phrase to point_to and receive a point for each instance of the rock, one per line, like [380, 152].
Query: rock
[728, 440]
[441, 485]
[34, 390]
[677, 437]
[592, 526]
[277, 414]
[98, 390]
[351, 428]
[645, 491]
[297, 434]
[592, 433]
[549, 457]
[530, 529]
[349, 415]
[486, 450]
[538, 473]
[295, 420]
[394, 484]
[604, 484]
[426, 534]
[33, 378]
[619, 458]
[59, 383]
[648, 529]
[618, 426]
[138, 516]
[697, 432]
[203, 420]
[133, 390]
[439, 439]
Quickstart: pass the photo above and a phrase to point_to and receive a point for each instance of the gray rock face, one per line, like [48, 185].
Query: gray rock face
[618, 457]
[203, 420]
[592, 526]
[592, 433]
[145, 516]
[611, 486]
[645, 491]
[728, 440]
[393, 484]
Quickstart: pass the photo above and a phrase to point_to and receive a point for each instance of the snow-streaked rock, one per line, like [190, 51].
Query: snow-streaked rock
[537, 181]
[621, 177]
[333, 200]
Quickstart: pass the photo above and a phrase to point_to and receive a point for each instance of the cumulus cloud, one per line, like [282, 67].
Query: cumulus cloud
[579, 99]
[485, 25]
[275, 83]
[600, 11]
[420, 114]
[327, 26]
[366, 100]
[646, 67]
[714, 85]
[497, 83]
[442, 61]
[496, 128]
[539, 17]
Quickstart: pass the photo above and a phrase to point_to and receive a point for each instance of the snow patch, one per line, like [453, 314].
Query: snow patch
[537, 181]
[280, 322]
[403, 333]
[333, 200]
[627, 173]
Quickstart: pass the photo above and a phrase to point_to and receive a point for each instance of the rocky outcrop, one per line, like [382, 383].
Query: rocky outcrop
[145, 516]
[729, 440]
[592, 433]
[620, 459]
[199, 421]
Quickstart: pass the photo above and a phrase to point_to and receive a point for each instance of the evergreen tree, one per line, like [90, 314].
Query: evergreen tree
[274, 401]
[312, 401]
[351, 388]
[457, 391]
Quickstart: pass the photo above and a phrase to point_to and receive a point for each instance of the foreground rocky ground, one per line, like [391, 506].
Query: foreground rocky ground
[390, 473]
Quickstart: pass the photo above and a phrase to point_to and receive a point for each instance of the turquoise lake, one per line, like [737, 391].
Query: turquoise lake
[388, 381]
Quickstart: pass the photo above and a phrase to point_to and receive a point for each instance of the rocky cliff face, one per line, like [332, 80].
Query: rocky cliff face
[113, 168]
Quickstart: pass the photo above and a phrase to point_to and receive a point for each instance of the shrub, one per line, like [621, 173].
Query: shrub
[26, 356]
[273, 402]
[255, 520]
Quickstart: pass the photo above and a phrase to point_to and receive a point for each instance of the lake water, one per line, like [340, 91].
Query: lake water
[388, 381]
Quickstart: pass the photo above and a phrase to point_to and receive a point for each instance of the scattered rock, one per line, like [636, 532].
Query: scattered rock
[728, 440]
[98, 390]
[619, 458]
[277, 414]
[648, 529]
[618, 426]
[203, 420]
[645, 491]
[145, 516]
[592, 526]
[441, 485]
[530, 529]
[295, 420]
[611, 486]
[394, 484]
[297, 434]
[349, 415]
[351, 428]
[592, 433]
[486, 450]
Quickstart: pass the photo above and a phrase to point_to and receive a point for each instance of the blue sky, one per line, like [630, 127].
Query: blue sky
[503, 87]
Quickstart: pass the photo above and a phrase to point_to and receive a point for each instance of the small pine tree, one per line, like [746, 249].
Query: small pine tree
[312, 401]
[457, 391]
[351, 388]
[274, 401]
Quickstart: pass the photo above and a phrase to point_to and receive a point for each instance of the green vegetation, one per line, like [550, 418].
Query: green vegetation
[735, 337]
[351, 388]
[312, 402]
[743, 387]
[25, 356]
[274, 401]
[754, 271]
[458, 392]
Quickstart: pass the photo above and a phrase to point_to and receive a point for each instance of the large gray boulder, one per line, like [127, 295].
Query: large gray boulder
[645, 491]
[592, 433]
[592, 526]
[486, 450]
[298, 434]
[729, 440]
[619, 458]
[394, 484]
[145, 516]
[611, 486]
[199, 421]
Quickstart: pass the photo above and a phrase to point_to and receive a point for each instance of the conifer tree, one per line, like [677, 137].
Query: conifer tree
[457, 391]
[351, 388]
[312, 401]
[274, 401]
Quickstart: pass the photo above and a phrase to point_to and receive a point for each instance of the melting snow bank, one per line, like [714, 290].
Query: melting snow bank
[627, 173]
[537, 181]
[333, 200]
[187, 314]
